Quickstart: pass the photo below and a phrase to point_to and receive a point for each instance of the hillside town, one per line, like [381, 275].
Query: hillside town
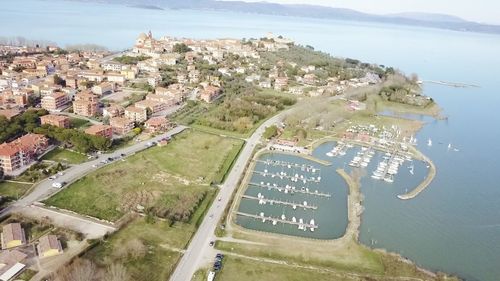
[141, 87]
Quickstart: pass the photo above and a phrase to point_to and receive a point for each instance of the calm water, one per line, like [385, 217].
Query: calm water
[453, 226]
[331, 212]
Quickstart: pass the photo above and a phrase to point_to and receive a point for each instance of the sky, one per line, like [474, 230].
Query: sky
[484, 11]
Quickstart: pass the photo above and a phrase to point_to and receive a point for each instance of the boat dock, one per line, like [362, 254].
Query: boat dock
[290, 189]
[284, 164]
[279, 202]
[293, 178]
[299, 223]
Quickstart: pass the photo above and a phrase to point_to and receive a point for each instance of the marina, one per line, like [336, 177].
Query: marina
[292, 191]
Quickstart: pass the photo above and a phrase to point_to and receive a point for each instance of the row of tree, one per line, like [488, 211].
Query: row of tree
[78, 140]
[20, 125]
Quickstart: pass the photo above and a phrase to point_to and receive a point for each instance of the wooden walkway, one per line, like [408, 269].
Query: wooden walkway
[279, 202]
[290, 190]
[278, 220]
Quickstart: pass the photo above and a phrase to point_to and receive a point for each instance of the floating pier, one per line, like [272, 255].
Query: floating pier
[289, 165]
[279, 202]
[293, 178]
[299, 223]
[290, 189]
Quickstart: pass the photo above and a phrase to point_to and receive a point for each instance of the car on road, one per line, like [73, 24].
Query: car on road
[57, 184]
[212, 243]
[220, 198]
[123, 155]
[60, 173]
[52, 177]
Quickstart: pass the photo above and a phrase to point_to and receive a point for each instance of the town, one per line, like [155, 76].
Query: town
[68, 116]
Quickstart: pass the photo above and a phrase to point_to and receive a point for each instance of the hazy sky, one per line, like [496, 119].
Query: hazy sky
[487, 11]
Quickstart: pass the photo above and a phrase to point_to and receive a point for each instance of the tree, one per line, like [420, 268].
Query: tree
[19, 68]
[59, 81]
[301, 134]
[181, 48]
[79, 270]
[270, 132]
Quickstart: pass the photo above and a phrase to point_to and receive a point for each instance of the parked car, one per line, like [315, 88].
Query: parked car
[212, 243]
[57, 185]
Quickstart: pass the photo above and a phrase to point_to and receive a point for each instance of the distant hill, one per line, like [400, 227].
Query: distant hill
[428, 17]
[312, 11]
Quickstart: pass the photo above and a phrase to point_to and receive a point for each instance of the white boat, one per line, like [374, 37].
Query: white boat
[389, 179]
[411, 169]
[275, 222]
[294, 219]
[311, 222]
[429, 142]
[283, 217]
[449, 146]
[329, 154]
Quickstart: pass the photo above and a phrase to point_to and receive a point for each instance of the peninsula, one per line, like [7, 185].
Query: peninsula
[139, 161]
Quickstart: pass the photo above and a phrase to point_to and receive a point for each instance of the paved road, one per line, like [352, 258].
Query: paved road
[199, 249]
[199, 253]
[44, 189]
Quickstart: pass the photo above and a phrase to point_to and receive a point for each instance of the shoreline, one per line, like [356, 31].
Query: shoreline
[425, 183]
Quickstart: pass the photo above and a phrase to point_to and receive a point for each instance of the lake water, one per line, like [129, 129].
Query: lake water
[330, 213]
[453, 226]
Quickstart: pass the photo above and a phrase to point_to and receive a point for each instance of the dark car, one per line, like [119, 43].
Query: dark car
[211, 243]
[123, 155]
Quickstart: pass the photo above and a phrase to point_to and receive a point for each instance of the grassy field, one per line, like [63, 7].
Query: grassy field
[377, 104]
[79, 123]
[241, 269]
[228, 162]
[161, 177]
[149, 251]
[12, 189]
[64, 155]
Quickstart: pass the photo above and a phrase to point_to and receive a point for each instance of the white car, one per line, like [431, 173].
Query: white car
[57, 185]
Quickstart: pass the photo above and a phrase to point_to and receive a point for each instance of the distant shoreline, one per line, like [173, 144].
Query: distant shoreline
[147, 7]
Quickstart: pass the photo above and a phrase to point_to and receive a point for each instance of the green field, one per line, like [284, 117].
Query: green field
[242, 269]
[169, 180]
[13, 190]
[64, 155]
